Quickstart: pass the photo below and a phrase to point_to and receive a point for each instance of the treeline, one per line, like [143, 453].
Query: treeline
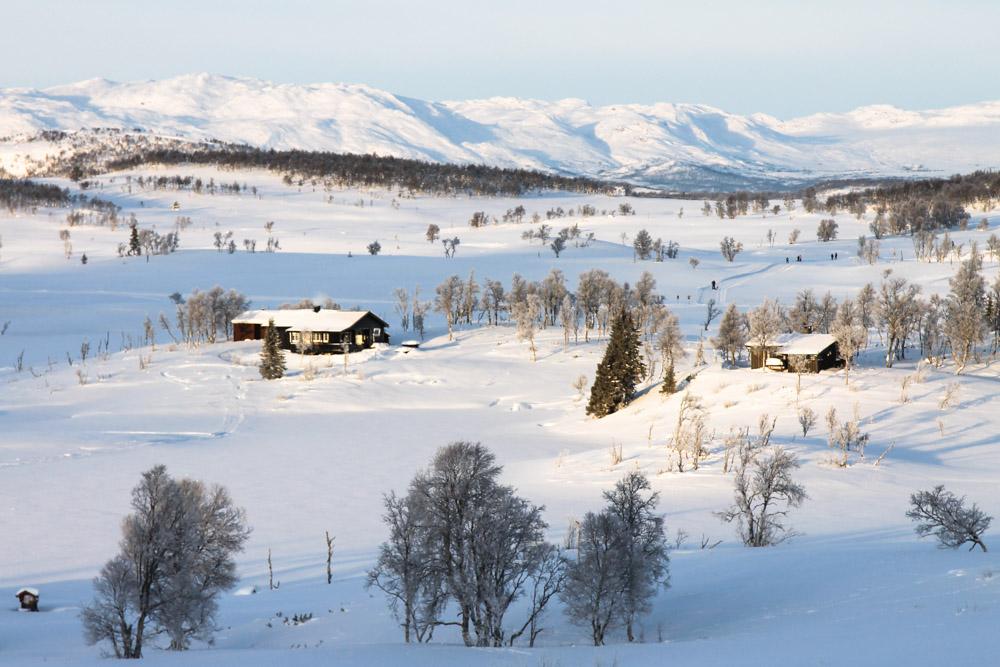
[181, 183]
[979, 187]
[533, 306]
[956, 325]
[915, 208]
[370, 170]
[921, 207]
[18, 194]
[548, 302]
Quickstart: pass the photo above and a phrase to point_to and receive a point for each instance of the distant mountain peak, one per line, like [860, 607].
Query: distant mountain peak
[690, 146]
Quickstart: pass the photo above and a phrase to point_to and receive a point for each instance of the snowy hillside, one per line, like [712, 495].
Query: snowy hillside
[687, 146]
[315, 451]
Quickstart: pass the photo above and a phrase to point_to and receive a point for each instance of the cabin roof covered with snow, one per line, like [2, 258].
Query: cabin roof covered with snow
[305, 319]
[799, 344]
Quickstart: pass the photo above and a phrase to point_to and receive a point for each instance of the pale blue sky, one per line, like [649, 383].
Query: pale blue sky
[781, 57]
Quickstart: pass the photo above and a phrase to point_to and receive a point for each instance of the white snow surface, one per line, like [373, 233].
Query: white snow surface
[793, 343]
[303, 319]
[303, 456]
[681, 145]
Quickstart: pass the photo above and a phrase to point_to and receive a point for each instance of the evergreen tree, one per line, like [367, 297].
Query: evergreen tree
[619, 371]
[272, 361]
[669, 385]
[134, 247]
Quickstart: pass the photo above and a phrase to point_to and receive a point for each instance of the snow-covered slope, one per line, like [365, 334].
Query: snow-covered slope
[676, 145]
[315, 451]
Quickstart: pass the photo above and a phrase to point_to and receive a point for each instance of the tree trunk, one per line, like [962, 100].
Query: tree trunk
[466, 636]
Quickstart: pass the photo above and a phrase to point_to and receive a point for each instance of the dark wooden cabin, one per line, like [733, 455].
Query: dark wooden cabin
[315, 330]
[28, 599]
[806, 353]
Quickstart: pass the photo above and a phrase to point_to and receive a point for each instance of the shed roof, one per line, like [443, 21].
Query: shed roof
[305, 319]
[797, 343]
[807, 344]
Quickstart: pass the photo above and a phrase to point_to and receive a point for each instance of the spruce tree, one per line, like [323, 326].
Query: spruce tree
[272, 361]
[669, 381]
[134, 247]
[619, 371]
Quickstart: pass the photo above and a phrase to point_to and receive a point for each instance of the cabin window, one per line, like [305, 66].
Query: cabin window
[293, 336]
[377, 332]
[321, 337]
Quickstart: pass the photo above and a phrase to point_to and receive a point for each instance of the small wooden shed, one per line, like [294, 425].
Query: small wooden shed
[805, 353]
[28, 597]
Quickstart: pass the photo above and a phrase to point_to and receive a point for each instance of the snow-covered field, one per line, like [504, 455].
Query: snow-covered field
[304, 456]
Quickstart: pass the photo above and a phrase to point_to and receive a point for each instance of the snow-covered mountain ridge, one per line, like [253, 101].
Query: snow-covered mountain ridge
[670, 145]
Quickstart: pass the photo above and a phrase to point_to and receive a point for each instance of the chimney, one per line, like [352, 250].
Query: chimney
[316, 309]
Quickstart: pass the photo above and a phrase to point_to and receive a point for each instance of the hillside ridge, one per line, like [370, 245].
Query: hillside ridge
[679, 146]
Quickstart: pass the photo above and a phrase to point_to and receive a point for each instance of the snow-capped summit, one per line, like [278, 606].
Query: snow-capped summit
[676, 145]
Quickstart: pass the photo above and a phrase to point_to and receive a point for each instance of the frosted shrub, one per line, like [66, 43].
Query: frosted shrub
[807, 419]
[616, 453]
[690, 433]
[904, 385]
[950, 396]
[763, 492]
[942, 514]
[730, 247]
[167, 580]
[459, 541]
[621, 560]
[827, 230]
[846, 437]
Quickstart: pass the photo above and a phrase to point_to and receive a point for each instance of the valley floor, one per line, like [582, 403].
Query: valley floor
[316, 450]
